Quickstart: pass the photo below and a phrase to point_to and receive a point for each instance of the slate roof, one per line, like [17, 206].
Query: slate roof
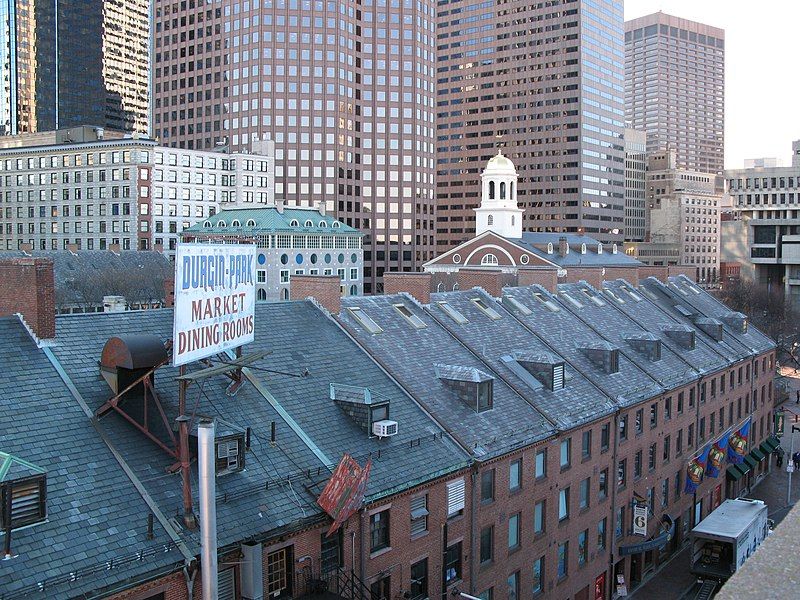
[492, 339]
[277, 490]
[537, 244]
[567, 334]
[410, 355]
[269, 220]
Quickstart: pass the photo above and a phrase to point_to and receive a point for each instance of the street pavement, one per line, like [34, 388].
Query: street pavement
[673, 580]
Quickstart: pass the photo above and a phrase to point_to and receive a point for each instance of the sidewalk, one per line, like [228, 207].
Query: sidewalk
[673, 580]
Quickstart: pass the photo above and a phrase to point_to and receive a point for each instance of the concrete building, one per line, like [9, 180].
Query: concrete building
[764, 239]
[683, 219]
[635, 185]
[345, 90]
[128, 192]
[65, 64]
[675, 88]
[549, 86]
[291, 242]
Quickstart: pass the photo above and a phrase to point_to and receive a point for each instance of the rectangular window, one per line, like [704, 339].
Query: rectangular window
[601, 534]
[513, 586]
[563, 557]
[452, 563]
[381, 589]
[541, 464]
[637, 465]
[653, 415]
[513, 531]
[622, 472]
[586, 444]
[379, 530]
[584, 496]
[603, 490]
[690, 436]
[668, 408]
[651, 457]
[623, 428]
[487, 485]
[619, 526]
[679, 443]
[563, 504]
[515, 475]
[680, 403]
[665, 492]
[419, 580]
[639, 420]
[702, 429]
[605, 435]
[566, 453]
[583, 546]
[487, 542]
[419, 515]
[538, 575]
[455, 497]
[538, 517]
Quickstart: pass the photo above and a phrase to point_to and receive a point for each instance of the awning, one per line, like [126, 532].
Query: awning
[752, 462]
[744, 467]
[664, 534]
[768, 445]
[758, 454]
[733, 472]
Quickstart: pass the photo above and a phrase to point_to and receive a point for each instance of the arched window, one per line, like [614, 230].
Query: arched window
[489, 259]
[336, 224]
[323, 224]
[455, 287]
[294, 223]
[503, 190]
[491, 190]
[490, 220]
[440, 287]
[354, 290]
[309, 223]
[262, 294]
[511, 190]
[235, 223]
[220, 223]
[285, 294]
[549, 247]
[206, 223]
[513, 218]
[251, 223]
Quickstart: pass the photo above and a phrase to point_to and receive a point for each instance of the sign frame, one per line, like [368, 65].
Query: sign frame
[640, 520]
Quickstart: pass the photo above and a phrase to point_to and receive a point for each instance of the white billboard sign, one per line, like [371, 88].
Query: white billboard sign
[640, 520]
[215, 293]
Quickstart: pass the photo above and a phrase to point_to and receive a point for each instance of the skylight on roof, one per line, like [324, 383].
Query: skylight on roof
[412, 319]
[517, 305]
[571, 300]
[611, 293]
[593, 297]
[486, 309]
[552, 306]
[365, 320]
[632, 293]
[679, 288]
[453, 313]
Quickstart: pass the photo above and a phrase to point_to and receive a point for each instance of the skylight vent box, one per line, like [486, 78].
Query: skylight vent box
[682, 334]
[362, 407]
[474, 387]
[647, 344]
[548, 369]
[229, 445]
[712, 327]
[603, 355]
[736, 321]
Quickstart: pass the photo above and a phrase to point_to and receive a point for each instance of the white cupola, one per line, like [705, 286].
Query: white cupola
[498, 211]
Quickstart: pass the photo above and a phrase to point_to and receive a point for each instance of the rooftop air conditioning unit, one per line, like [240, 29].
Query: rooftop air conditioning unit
[384, 428]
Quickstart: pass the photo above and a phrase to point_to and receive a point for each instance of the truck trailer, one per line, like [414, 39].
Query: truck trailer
[727, 537]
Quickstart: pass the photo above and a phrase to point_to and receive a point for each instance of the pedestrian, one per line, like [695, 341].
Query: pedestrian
[798, 397]
[796, 460]
[779, 457]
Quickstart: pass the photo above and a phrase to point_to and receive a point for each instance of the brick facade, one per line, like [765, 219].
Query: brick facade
[591, 275]
[29, 288]
[324, 288]
[416, 284]
[491, 281]
[547, 278]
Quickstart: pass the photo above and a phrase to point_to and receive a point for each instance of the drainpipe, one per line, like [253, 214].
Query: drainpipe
[473, 530]
[189, 519]
[612, 518]
[362, 567]
[208, 509]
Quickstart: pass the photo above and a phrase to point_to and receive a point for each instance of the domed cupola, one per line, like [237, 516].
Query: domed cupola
[498, 211]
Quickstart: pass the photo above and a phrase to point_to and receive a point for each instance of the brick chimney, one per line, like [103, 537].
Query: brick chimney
[563, 246]
[415, 284]
[489, 280]
[323, 288]
[29, 289]
[547, 278]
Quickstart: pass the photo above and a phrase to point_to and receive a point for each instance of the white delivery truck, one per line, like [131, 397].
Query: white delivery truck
[727, 537]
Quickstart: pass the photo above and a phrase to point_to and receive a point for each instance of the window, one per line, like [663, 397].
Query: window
[409, 316]
[690, 436]
[538, 575]
[586, 444]
[637, 465]
[603, 491]
[619, 526]
[563, 504]
[452, 563]
[563, 557]
[584, 496]
[702, 429]
[665, 492]
[487, 542]
[605, 434]
[653, 415]
[583, 550]
[381, 589]
[566, 453]
[541, 464]
[639, 420]
[601, 534]
[489, 259]
[419, 515]
[622, 472]
[419, 580]
[668, 408]
[513, 586]
[487, 485]
[513, 531]
[515, 475]
[666, 454]
[379, 530]
[364, 320]
[455, 497]
[623, 428]
[651, 457]
[680, 403]
[486, 309]
[679, 443]
[691, 397]
[538, 517]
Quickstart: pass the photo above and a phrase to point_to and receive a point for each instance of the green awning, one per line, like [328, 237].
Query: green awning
[758, 454]
[744, 467]
[769, 444]
[752, 462]
[733, 472]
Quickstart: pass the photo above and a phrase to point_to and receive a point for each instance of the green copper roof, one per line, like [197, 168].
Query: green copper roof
[268, 219]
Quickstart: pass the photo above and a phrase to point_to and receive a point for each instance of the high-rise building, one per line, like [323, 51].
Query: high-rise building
[675, 88]
[635, 185]
[67, 64]
[344, 89]
[546, 82]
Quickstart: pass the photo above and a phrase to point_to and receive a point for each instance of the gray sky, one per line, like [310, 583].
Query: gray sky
[762, 86]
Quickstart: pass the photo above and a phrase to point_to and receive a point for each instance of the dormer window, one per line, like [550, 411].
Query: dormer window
[221, 223]
[452, 313]
[583, 248]
[251, 223]
[336, 225]
[309, 224]
[486, 309]
[364, 320]
[682, 334]
[323, 224]
[409, 316]
[474, 387]
[235, 223]
[537, 369]
[294, 223]
[549, 247]
[489, 259]
[599, 248]
[647, 344]
[360, 405]
[206, 223]
[26, 485]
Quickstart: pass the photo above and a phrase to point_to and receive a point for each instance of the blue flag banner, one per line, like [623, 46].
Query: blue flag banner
[737, 444]
[696, 470]
[717, 455]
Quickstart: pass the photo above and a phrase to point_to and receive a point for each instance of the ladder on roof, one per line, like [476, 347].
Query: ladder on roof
[706, 591]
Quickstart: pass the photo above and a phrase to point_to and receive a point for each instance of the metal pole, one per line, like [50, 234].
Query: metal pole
[444, 561]
[186, 481]
[790, 457]
[208, 509]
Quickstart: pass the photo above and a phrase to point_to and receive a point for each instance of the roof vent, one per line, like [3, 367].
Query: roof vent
[686, 312]
[126, 358]
[603, 355]
[229, 444]
[358, 404]
[682, 334]
[384, 428]
[647, 344]
[547, 370]
[736, 321]
[712, 327]
[26, 485]
[474, 387]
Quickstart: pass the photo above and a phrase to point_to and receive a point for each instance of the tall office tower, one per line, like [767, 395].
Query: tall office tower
[635, 185]
[674, 88]
[65, 64]
[546, 82]
[345, 90]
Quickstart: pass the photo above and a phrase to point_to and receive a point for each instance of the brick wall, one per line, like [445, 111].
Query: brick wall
[659, 273]
[629, 274]
[491, 281]
[547, 278]
[29, 288]
[416, 284]
[689, 271]
[323, 288]
[591, 275]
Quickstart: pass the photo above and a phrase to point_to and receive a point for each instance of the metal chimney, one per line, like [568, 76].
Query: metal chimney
[252, 572]
[208, 509]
